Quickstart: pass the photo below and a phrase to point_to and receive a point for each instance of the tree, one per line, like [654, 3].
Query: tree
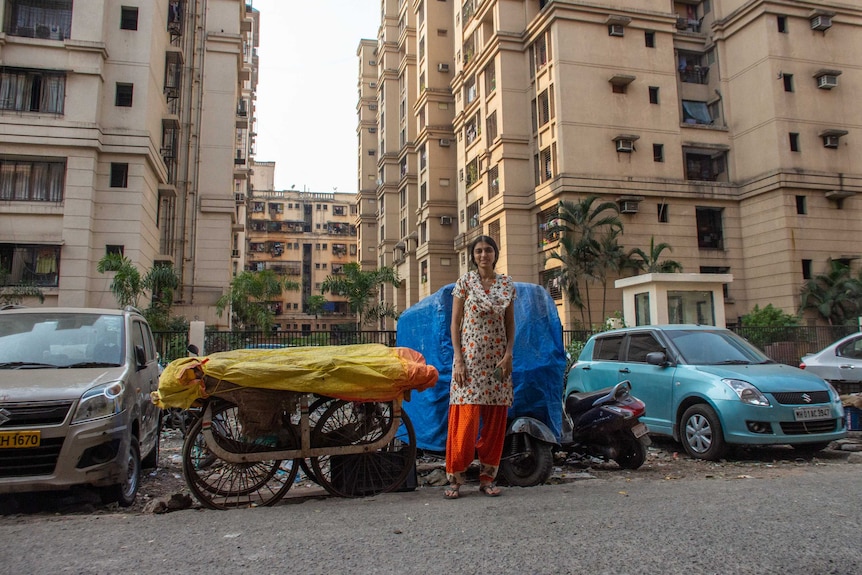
[249, 296]
[582, 227]
[15, 294]
[835, 295]
[768, 316]
[128, 286]
[315, 304]
[651, 263]
[361, 289]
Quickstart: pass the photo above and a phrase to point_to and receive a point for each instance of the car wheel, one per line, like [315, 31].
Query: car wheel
[701, 434]
[151, 461]
[124, 493]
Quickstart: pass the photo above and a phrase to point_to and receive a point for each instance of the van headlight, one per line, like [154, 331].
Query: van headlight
[747, 392]
[100, 401]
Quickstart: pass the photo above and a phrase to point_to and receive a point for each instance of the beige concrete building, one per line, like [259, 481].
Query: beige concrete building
[125, 127]
[725, 128]
[305, 237]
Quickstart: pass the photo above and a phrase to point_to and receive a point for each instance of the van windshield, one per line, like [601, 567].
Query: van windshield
[60, 340]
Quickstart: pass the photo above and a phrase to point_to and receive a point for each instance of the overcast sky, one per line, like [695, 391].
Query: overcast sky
[307, 89]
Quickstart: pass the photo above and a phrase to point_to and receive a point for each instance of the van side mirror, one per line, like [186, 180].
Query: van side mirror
[657, 358]
[140, 356]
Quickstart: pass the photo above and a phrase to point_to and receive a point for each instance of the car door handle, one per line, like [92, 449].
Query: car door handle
[625, 370]
[845, 367]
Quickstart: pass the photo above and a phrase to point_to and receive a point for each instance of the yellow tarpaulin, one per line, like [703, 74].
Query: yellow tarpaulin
[365, 372]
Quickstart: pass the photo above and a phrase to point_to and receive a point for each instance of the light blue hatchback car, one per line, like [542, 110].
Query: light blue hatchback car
[708, 388]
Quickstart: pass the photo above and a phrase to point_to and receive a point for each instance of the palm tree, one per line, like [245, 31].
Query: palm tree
[833, 295]
[567, 274]
[128, 286]
[586, 222]
[651, 263]
[249, 296]
[614, 260]
[361, 288]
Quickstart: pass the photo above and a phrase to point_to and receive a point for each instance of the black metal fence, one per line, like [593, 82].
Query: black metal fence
[783, 344]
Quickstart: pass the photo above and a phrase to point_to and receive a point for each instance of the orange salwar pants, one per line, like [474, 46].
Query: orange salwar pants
[466, 438]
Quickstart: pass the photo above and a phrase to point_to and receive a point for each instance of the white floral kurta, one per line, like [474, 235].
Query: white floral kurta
[483, 340]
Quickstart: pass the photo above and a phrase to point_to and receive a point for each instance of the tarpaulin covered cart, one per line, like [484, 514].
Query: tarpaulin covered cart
[264, 412]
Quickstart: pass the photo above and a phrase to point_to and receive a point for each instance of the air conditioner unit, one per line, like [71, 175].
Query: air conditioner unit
[831, 141]
[372, 84]
[827, 81]
[441, 67]
[444, 142]
[616, 30]
[445, 220]
[626, 146]
[628, 207]
[821, 22]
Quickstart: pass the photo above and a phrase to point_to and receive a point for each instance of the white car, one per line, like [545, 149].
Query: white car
[840, 363]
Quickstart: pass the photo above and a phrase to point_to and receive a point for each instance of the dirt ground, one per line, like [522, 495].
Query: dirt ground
[666, 461]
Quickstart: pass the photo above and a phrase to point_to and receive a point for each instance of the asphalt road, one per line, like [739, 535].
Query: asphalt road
[806, 522]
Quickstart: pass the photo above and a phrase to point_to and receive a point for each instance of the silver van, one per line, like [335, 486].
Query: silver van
[75, 404]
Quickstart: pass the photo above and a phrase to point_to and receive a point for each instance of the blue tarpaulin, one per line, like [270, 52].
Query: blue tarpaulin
[538, 366]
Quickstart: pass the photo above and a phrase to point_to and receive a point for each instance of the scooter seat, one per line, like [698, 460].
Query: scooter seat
[580, 402]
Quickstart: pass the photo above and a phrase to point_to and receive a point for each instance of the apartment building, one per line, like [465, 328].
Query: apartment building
[725, 128]
[304, 237]
[126, 127]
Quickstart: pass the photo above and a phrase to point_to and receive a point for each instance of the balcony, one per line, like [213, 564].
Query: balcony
[39, 19]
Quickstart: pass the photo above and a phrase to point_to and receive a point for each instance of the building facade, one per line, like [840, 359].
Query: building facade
[724, 128]
[304, 237]
[125, 128]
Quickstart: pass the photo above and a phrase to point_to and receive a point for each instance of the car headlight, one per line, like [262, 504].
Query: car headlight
[101, 401]
[833, 393]
[747, 393]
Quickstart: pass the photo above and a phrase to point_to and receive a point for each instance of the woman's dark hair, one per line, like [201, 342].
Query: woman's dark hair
[488, 240]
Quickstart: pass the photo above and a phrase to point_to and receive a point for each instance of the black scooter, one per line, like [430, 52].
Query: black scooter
[603, 424]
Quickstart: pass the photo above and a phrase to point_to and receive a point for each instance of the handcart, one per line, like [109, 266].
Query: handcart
[249, 443]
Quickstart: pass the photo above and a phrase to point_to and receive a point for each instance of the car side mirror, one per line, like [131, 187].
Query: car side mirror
[140, 356]
[657, 358]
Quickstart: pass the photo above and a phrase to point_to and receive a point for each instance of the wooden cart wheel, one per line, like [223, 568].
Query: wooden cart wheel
[315, 411]
[219, 484]
[363, 474]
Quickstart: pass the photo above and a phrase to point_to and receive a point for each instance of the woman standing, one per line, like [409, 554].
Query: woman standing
[483, 334]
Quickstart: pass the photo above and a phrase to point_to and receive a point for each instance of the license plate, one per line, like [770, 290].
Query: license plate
[12, 439]
[639, 430]
[811, 413]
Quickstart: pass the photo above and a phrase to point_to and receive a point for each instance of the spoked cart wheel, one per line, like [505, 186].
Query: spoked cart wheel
[219, 484]
[347, 423]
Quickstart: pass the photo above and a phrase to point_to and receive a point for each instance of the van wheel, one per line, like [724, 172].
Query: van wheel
[701, 434]
[124, 493]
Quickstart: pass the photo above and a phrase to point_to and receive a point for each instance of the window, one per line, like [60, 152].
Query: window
[640, 344]
[338, 210]
[119, 175]
[781, 21]
[709, 228]
[806, 269]
[694, 112]
[473, 214]
[115, 249]
[706, 165]
[473, 129]
[662, 213]
[691, 68]
[653, 94]
[472, 172]
[493, 181]
[470, 91]
[552, 282]
[490, 78]
[794, 141]
[801, 208]
[608, 348]
[32, 180]
[546, 165]
[649, 39]
[492, 126]
[129, 18]
[544, 108]
[31, 264]
[49, 19]
[642, 313]
[788, 82]
[124, 95]
[658, 152]
[26, 90]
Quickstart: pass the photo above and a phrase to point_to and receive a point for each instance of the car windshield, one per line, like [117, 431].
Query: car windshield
[719, 347]
[60, 340]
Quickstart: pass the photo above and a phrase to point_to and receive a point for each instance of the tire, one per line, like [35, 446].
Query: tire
[124, 493]
[526, 461]
[701, 434]
[632, 453]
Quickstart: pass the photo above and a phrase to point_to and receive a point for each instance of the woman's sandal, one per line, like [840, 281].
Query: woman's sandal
[451, 491]
[490, 490]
